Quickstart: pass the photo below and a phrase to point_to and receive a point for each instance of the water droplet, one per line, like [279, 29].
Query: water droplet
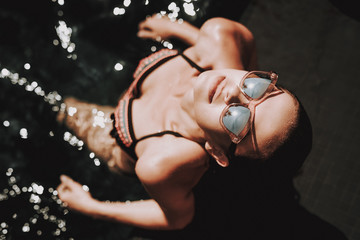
[26, 228]
[34, 198]
[27, 66]
[72, 111]
[118, 67]
[12, 180]
[97, 162]
[9, 172]
[119, 11]
[127, 3]
[85, 187]
[23, 133]
[33, 220]
[5, 72]
[6, 123]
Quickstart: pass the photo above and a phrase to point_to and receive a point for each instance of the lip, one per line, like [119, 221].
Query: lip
[216, 88]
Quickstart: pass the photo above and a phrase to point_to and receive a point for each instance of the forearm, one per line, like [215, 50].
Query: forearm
[185, 32]
[143, 214]
[160, 27]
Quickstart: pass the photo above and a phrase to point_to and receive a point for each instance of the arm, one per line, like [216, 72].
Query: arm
[224, 43]
[160, 27]
[145, 214]
[168, 181]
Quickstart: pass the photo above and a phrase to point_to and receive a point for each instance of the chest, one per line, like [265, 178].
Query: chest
[158, 106]
[172, 78]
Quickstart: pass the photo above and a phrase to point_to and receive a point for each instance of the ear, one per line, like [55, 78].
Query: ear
[217, 153]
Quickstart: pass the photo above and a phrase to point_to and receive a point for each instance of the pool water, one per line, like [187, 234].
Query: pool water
[87, 49]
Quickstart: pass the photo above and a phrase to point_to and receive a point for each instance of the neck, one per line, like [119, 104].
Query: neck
[187, 118]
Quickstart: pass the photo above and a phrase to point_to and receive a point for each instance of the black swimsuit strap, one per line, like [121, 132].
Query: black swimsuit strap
[192, 63]
[158, 134]
[162, 133]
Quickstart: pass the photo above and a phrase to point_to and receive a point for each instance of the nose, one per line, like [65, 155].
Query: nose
[232, 94]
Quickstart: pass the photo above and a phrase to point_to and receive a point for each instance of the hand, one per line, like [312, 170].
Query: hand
[73, 194]
[156, 27]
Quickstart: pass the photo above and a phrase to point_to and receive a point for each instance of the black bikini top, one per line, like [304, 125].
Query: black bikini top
[123, 128]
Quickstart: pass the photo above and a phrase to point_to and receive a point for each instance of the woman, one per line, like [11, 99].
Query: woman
[166, 126]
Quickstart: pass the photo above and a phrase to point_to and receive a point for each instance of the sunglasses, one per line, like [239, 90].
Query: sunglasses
[237, 118]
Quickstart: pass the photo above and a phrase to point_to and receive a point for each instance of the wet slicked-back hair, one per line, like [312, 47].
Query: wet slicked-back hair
[290, 155]
[258, 192]
[284, 157]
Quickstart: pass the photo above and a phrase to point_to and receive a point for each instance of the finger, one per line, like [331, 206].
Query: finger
[62, 189]
[146, 34]
[157, 15]
[66, 179]
[142, 24]
[69, 183]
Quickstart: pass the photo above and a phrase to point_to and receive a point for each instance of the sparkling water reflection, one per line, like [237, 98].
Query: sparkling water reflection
[39, 201]
[87, 49]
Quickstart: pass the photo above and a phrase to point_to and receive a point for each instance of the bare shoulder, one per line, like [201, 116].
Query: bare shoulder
[172, 158]
[224, 25]
[223, 43]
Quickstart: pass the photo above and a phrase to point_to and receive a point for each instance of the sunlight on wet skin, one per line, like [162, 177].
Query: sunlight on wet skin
[100, 119]
[73, 140]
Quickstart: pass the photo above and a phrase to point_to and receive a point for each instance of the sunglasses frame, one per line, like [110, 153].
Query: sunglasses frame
[250, 105]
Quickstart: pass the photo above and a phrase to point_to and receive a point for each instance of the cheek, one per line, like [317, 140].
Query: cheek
[246, 147]
[203, 115]
[207, 117]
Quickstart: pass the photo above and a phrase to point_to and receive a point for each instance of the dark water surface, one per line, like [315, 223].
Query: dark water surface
[88, 49]
[50, 49]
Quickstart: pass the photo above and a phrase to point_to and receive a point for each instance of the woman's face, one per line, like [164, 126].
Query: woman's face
[215, 89]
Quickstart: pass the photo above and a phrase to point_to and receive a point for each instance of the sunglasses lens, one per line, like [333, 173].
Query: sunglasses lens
[255, 87]
[236, 118]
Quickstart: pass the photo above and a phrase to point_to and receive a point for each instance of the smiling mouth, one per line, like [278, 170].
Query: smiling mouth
[216, 88]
